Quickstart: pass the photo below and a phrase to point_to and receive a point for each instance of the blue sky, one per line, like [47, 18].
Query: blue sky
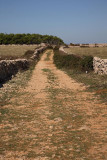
[76, 21]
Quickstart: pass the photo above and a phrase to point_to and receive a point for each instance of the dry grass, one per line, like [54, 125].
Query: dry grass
[96, 51]
[67, 124]
[14, 50]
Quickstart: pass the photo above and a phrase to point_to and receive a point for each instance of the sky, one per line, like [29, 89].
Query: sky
[74, 21]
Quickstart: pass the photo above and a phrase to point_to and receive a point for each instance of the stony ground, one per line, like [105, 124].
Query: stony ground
[53, 118]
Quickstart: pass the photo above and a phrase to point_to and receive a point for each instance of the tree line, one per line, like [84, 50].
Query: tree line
[29, 39]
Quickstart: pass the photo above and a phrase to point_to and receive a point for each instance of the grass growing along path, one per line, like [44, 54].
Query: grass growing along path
[52, 118]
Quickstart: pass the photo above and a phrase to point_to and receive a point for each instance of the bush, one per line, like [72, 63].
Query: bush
[87, 63]
[28, 54]
[67, 61]
[84, 63]
[56, 48]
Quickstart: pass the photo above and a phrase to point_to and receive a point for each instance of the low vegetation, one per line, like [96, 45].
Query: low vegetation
[84, 63]
[94, 51]
[28, 54]
[94, 82]
[81, 70]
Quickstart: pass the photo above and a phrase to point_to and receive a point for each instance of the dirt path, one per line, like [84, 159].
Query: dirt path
[54, 118]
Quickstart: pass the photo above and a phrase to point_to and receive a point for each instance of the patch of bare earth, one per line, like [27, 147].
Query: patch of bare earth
[54, 119]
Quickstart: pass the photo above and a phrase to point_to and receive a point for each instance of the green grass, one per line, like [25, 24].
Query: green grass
[14, 51]
[48, 56]
[95, 52]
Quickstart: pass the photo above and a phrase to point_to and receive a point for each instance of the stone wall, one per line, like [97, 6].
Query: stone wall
[11, 67]
[100, 65]
[89, 45]
[61, 49]
[37, 53]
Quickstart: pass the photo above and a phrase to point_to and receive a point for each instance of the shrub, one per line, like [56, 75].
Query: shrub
[50, 47]
[28, 54]
[56, 48]
[87, 63]
[84, 63]
[66, 61]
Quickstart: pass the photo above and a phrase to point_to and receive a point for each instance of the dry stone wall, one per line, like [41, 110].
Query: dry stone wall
[37, 53]
[61, 49]
[11, 67]
[100, 65]
[88, 45]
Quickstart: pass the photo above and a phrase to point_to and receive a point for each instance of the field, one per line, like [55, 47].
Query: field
[14, 51]
[95, 52]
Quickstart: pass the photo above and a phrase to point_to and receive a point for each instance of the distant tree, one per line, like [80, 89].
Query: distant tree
[29, 39]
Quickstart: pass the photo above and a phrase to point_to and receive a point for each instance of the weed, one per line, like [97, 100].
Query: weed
[28, 54]
[31, 154]
[48, 56]
[45, 70]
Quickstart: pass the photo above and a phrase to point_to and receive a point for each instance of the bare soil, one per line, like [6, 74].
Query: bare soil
[54, 118]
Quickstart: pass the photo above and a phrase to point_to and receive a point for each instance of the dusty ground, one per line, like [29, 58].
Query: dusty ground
[53, 118]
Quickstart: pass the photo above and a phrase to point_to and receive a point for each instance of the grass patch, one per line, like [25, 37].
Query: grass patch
[28, 54]
[48, 56]
[50, 75]
[31, 154]
[96, 83]
[45, 70]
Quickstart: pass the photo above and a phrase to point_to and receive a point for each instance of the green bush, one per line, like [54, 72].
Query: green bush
[28, 54]
[87, 63]
[84, 63]
[56, 47]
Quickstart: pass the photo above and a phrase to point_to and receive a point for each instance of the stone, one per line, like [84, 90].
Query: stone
[100, 65]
